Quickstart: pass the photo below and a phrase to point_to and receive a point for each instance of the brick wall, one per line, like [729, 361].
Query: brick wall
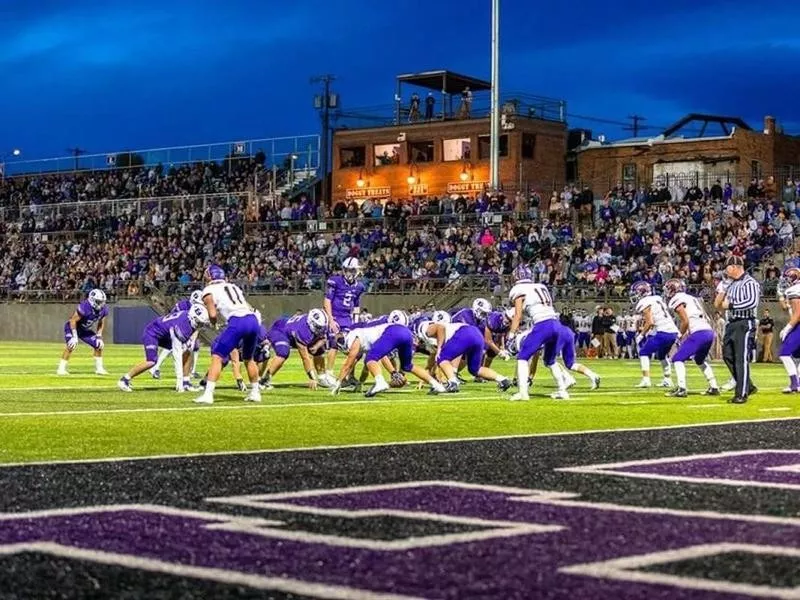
[547, 165]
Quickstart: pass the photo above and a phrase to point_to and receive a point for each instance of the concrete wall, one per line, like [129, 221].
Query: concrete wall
[45, 322]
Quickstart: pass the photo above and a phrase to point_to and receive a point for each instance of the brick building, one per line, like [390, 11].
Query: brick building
[738, 153]
[421, 154]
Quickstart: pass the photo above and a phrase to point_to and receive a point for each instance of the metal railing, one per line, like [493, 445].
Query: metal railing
[277, 151]
[517, 105]
[437, 289]
[198, 203]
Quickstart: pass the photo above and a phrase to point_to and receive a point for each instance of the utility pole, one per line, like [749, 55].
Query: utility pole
[634, 127]
[76, 152]
[324, 103]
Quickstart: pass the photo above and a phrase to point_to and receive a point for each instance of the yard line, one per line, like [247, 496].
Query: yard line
[328, 448]
[634, 402]
[776, 409]
[718, 405]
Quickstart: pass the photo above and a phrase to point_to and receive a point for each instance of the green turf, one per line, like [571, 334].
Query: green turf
[45, 417]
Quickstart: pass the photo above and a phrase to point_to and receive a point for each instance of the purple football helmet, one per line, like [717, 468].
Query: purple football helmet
[523, 272]
[639, 290]
[214, 273]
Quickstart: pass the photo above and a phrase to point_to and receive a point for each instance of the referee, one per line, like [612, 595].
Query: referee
[738, 293]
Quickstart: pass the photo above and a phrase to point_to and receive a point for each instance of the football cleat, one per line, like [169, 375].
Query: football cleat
[677, 393]
[377, 388]
[666, 383]
[62, 372]
[254, 395]
[451, 387]
[711, 392]
[595, 383]
[203, 400]
[519, 397]
[156, 373]
[644, 383]
[560, 395]
[570, 381]
[504, 385]
[240, 385]
[100, 371]
[124, 384]
[727, 387]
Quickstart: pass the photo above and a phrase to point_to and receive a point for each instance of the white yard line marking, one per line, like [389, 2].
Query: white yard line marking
[705, 405]
[776, 409]
[630, 402]
[327, 448]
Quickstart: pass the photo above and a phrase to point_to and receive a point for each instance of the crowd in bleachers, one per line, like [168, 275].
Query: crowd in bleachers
[416, 245]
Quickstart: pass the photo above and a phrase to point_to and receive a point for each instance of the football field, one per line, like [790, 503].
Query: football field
[615, 494]
[48, 418]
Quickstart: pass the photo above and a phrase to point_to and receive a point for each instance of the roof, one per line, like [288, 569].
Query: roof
[445, 81]
[720, 120]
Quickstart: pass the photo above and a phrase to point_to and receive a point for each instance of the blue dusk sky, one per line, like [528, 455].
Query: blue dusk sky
[108, 76]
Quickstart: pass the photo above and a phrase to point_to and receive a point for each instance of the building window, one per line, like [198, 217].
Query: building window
[755, 169]
[629, 173]
[420, 152]
[484, 146]
[352, 156]
[387, 154]
[528, 145]
[456, 149]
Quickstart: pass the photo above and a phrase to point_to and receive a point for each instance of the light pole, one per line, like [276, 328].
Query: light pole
[292, 158]
[494, 120]
[13, 153]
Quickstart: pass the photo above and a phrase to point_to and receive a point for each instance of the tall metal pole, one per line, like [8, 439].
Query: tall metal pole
[494, 138]
[324, 154]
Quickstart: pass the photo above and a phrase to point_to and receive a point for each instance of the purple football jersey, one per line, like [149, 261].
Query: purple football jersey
[344, 296]
[465, 316]
[297, 330]
[159, 328]
[497, 322]
[88, 315]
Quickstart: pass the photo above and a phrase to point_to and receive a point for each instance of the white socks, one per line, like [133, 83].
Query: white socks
[523, 372]
[667, 366]
[559, 376]
[98, 363]
[645, 362]
[62, 365]
[161, 358]
[708, 373]
[680, 374]
[195, 355]
[789, 365]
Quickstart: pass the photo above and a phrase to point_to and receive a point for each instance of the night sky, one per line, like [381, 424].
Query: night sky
[107, 77]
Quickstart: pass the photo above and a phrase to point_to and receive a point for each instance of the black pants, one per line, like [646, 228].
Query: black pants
[737, 345]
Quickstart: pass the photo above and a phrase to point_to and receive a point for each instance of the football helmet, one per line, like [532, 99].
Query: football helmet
[97, 299]
[198, 316]
[639, 290]
[672, 287]
[481, 307]
[398, 317]
[350, 269]
[317, 320]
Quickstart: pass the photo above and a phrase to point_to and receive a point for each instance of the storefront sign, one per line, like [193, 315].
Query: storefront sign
[466, 186]
[376, 192]
[419, 189]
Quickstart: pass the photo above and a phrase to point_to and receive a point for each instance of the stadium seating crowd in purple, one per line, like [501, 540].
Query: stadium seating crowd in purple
[413, 245]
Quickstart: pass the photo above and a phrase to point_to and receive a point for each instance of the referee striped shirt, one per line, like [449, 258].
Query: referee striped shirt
[743, 297]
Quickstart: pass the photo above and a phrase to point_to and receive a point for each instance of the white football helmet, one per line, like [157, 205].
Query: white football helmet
[421, 330]
[350, 268]
[441, 317]
[97, 298]
[317, 320]
[398, 317]
[481, 307]
[198, 316]
[196, 297]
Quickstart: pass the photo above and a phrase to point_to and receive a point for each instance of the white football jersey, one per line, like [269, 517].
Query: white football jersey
[662, 322]
[537, 304]
[229, 299]
[698, 319]
[632, 323]
[449, 331]
[366, 335]
[583, 324]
